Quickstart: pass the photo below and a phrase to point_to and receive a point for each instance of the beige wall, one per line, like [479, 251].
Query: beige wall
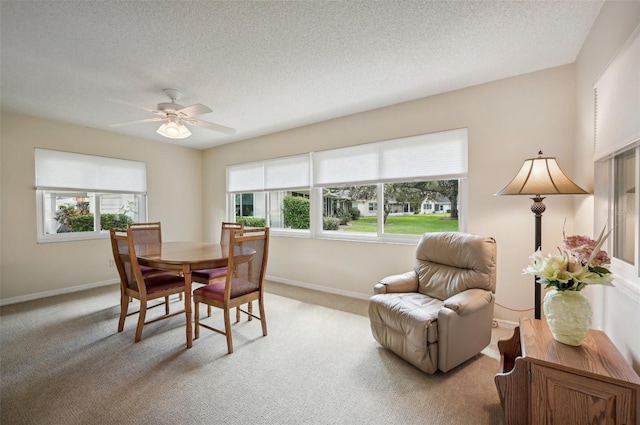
[508, 121]
[174, 176]
[614, 311]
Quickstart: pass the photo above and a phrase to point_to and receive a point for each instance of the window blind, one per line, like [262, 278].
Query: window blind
[247, 177]
[427, 156]
[434, 155]
[281, 173]
[353, 164]
[617, 94]
[290, 172]
[65, 170]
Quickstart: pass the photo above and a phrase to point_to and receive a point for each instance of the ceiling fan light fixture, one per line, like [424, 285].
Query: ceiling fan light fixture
[174, 130]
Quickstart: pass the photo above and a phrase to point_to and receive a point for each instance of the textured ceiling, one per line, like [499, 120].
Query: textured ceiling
[267, 66]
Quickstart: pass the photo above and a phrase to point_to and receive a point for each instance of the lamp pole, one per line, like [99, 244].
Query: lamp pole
[537, 208]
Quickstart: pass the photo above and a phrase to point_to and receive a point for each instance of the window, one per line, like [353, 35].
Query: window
[617, 166]
[350, 209]
[405, 173]
[403, 211]
[394, 187]
[625, 203]
[244, 204]
[617, 203]
[265, 193]
[83, 196]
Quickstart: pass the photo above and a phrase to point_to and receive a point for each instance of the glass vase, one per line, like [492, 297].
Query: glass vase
[568, 315]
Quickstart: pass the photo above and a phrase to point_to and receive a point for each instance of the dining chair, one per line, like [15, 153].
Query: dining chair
[147, 234]
[209, 276]
[133, 284]
[248, 252]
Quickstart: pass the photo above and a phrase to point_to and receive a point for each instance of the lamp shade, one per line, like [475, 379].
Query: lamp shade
[174, 130]
[541, 176]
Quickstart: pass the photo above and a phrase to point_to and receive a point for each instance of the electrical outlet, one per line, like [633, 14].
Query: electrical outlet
[112, 262]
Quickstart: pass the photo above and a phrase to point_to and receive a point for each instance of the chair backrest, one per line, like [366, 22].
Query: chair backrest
[248, 252]
[227, 228]
[448, 263]
[124, 254]
[146, 233]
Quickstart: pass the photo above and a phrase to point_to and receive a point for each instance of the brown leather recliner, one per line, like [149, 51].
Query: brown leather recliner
[440, 314]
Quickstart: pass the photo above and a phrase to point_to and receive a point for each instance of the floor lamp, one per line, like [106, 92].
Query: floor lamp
[540, 176]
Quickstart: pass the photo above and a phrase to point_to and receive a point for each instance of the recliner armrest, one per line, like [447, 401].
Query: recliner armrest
[469, 301]
[407, 282]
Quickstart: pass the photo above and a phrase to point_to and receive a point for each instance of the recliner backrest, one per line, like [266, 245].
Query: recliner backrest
[448, 263]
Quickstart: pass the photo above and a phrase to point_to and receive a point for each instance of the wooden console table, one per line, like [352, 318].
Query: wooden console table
[544, 382]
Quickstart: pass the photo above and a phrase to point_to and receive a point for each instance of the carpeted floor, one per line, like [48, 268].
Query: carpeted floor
[62, 362]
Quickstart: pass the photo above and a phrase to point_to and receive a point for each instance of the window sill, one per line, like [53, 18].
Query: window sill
[70, 237]
[349, 237]
[625, 280]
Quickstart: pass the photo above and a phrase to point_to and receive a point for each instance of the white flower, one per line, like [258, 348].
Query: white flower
[568, 270]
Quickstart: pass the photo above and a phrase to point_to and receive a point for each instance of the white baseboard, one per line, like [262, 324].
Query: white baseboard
[69, 290]
[505, 323]
[46, 294]
[319, 288]
[501, 323]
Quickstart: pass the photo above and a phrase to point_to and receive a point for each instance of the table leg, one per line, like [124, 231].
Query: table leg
[187, 303]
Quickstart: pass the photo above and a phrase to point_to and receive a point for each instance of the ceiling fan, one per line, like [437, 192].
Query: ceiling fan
[174, 117]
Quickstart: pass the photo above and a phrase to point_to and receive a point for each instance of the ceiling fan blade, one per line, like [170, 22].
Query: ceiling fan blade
[132, 105]
[138, 122]
[211, 126]
[193, 110]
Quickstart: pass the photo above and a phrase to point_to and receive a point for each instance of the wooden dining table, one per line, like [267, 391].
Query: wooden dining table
[185, 257]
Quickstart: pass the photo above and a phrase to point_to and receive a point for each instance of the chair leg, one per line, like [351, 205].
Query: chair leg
[250, 309]
[237, 314]
[124, 309]
[166, 305]
[197, 319]
[227, 329]
[208, 310]
[263, 318]
[143, 313]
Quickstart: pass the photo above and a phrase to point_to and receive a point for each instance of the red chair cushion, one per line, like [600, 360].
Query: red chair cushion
[239, 287]
[209, 274]
[162, 282]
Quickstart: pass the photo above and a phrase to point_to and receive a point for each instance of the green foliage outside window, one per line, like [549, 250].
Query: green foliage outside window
[330, 223]
[344, 217]
[251, 221]
[296, 212]
[114, 221]
[84, 222]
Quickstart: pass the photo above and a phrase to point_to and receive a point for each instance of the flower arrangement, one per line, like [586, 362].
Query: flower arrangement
[581, 262]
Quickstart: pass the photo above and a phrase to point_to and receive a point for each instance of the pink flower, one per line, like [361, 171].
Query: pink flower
[581, 247]
[579, 264]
